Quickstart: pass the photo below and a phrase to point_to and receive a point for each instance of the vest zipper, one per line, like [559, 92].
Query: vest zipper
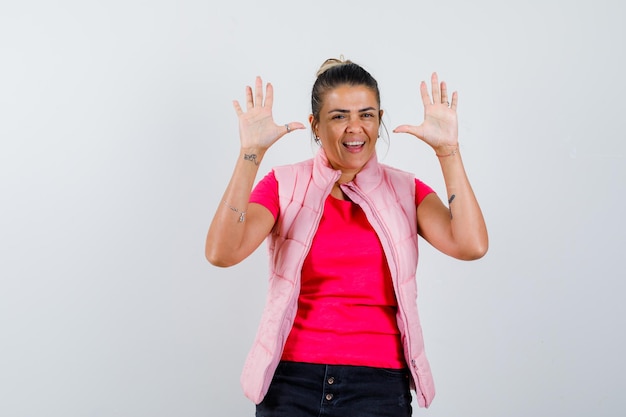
[396, 285]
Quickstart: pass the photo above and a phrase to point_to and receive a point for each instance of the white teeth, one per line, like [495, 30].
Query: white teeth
[353, 143]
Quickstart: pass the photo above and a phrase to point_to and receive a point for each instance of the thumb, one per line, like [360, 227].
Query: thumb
[410, 129]
[294, 126]
[290, 127]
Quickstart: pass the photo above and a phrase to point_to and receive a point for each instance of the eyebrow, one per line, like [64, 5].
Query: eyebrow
[348, 111]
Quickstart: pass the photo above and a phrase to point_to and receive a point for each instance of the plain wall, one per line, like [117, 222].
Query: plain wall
[118, 138]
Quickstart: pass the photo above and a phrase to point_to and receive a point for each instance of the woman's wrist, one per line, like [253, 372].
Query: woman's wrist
[446, 150]
[252, 154]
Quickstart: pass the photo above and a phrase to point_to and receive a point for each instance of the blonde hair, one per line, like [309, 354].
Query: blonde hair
[332, 62]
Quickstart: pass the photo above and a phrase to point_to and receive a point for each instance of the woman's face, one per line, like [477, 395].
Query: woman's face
[348, 128]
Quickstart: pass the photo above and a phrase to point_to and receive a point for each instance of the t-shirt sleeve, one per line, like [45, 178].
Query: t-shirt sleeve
[266, 194]
[421, 191]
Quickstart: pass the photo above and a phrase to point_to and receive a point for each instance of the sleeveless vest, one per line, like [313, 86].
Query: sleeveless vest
[387, 197]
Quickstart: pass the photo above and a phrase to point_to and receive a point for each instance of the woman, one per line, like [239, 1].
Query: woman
[340, 334]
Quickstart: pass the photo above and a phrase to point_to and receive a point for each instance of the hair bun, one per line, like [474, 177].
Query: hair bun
[332, 62]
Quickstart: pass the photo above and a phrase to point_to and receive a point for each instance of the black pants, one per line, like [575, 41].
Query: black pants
[312, 390]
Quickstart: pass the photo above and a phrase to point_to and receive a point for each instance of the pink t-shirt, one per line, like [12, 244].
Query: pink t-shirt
[347, 306]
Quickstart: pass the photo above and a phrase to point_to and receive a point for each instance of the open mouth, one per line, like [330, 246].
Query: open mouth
[354, 145]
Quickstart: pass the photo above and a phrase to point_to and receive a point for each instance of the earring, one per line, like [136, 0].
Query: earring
[317, 139]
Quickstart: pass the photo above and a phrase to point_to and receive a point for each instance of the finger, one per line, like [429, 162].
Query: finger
[288, 128]
[402, 129]
[249, 100]
[455, 100]
[434, 81]
[424, 93]
[410, 129]
[269, 95]
[294, 126]
[444, 94]
[237, 108]
[258, 92]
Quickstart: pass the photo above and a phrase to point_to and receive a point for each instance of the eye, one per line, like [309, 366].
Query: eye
[367, 115]
[338, 116]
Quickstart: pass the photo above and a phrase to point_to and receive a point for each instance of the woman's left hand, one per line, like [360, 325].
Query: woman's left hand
[440, 126]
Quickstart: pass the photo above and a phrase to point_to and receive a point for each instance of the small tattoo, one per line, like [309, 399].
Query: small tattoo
[251, 157]
[449, 202]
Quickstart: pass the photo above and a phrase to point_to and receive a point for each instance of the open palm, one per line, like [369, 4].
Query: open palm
[257, 128]
[440, 126]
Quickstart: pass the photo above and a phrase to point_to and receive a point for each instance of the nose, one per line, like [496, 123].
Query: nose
[354, 125]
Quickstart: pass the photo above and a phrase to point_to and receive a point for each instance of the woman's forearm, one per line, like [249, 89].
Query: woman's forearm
[227, 231]
[467, 225]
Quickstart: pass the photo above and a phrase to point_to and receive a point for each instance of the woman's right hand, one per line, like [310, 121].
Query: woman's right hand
[257, 129]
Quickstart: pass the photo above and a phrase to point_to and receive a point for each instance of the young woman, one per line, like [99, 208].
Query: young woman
[340, 334]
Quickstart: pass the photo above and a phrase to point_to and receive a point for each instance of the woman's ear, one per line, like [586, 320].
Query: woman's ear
[313, 124]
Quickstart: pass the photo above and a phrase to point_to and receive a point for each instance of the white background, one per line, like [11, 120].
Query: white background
[118, 138]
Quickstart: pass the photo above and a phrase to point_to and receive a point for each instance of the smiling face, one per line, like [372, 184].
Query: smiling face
[348, 128]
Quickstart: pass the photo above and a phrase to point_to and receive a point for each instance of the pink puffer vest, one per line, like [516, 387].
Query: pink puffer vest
[387, 196]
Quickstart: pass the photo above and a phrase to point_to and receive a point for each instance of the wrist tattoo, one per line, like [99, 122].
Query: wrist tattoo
[250, 157]
[450, 202]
